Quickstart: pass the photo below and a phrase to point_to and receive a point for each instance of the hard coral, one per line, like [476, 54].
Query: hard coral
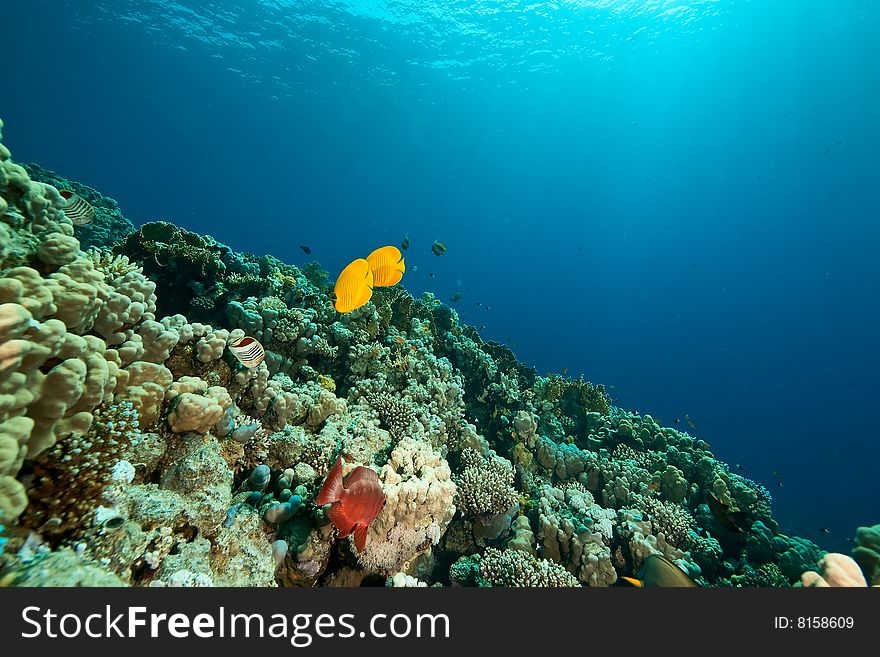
[396, 414]
[485, 485]
[71, 476]
[514, 568]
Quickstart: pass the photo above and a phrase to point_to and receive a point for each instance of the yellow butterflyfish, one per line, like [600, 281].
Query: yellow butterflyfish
[354, 287]
[387, 266]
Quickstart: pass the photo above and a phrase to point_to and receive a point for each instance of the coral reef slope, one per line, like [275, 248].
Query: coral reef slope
[135, 449]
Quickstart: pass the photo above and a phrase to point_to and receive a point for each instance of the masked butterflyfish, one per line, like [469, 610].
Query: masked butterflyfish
[248, 351]
[354, 287]
[658, 571]
[77, 209]
[387, 266]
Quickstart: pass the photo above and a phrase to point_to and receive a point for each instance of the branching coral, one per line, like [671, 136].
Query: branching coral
[514, 568]
[70, 477]
[112, 266]
[396, 414]
[673, 520]
[485, 485]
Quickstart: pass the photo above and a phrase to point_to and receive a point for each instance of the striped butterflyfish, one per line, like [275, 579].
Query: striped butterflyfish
[77, 209]
[248, 351]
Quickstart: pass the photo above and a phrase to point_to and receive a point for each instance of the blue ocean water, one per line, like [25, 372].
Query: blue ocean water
[676, 199]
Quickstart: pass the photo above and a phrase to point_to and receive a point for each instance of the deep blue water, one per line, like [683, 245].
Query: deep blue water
[676, 199]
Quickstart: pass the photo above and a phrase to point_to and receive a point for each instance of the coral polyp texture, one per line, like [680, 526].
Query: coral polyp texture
[136, 450]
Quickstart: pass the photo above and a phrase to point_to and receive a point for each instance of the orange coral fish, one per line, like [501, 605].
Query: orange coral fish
[248, 351]
[387, 265]
[355, 502]
[354, 287]
[77, 209]
[399, 340]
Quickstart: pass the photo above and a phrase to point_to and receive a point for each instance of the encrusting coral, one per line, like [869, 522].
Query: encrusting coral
[136, 450]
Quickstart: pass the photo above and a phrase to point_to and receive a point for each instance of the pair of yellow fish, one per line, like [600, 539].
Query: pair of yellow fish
[384, 267]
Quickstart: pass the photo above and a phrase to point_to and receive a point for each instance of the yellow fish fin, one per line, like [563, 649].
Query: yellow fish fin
[633, 581]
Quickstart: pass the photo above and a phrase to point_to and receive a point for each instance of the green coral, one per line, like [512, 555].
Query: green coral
[209, 297]
[574, 396]
[764, 576]
[867, 552]
[188, 269]
[315, 274]
[273, 303]
[183, 245]
[465, 570]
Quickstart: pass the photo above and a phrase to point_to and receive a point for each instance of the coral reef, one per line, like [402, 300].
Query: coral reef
[867, 552]
[136, 450]
[109, 224]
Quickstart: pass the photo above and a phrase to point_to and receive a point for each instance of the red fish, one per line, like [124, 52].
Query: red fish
[355, 503]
